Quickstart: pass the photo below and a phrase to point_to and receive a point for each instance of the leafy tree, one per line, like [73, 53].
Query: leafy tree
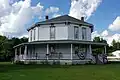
[98, 39]
[6, 47]
[113, 42]
[98, 49]
[115, 45]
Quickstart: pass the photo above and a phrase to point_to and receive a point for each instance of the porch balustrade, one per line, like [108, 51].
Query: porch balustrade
[41, 56]
[52, 56]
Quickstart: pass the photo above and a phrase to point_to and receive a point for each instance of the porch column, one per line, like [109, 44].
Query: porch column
[71, 50]
[20, 50]
[47, 50]
[90, 51]
[105, 49]
[15, 54]
[20, 57]
[25, 52]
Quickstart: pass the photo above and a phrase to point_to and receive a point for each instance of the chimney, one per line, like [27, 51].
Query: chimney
[46, 17]
[82, 18]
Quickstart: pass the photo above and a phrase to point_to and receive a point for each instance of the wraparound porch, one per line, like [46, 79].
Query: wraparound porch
[55, 51]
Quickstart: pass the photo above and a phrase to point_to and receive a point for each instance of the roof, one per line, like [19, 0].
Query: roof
[61, 19]
[62, 42]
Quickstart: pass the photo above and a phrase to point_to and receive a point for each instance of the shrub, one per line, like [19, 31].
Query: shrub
[32, 62]
[19, 62]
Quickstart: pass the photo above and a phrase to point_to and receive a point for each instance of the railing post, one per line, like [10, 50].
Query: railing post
[15, 54]
[71, 50]
[20, 55]
[20, 50]
[25, 52]
[47, 50]
[90, 49]
[105, 49]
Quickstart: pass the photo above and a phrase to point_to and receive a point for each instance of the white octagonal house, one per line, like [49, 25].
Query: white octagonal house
[62, 40]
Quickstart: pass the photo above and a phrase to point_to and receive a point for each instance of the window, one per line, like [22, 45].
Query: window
[34, 33]
[84, 33]
[76, 47]
[52, 48]
[31, 35]
[52, 32]
[76, 32]
[38, 32]
[83, 48]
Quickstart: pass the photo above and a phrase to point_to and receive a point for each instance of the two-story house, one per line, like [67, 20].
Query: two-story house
[64, 40]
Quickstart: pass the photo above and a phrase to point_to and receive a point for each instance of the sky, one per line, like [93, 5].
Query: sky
[18, 15]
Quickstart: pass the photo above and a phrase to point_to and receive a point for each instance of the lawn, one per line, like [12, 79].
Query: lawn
[41, 72]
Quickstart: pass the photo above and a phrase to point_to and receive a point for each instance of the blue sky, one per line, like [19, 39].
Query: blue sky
[64, 5]
[105, 14]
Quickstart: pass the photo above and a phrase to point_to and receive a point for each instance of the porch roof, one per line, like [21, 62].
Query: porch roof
[61, 42]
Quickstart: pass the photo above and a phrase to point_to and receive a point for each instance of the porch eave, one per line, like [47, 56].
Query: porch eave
[61, 42]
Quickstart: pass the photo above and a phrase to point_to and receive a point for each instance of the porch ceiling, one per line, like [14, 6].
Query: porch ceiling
[62, 42]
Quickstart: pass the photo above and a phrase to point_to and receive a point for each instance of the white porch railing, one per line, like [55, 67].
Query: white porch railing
[56, 56]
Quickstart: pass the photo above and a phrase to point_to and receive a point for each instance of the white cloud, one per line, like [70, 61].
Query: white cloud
[13, 1]
[17, 15]
[14, 18]
[115, 26]
[51, 10]
[95, 34]
[104, 33]
[38, 10]
[16, 7]
[25, 35]
[5, 8]
[110, 38]
[107, 36]
[56, 15]
[83, 8]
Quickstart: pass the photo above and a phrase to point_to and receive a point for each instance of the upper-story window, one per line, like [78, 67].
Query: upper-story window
[76, 32]
[38, 32]
[34, 33]
[52, 32]
[84, 36]
[31, 35]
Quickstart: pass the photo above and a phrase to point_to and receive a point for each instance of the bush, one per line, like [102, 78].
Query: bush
[32, 62]
[19, 62]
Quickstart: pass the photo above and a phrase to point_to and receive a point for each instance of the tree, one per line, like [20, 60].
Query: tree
[115, 45]
[113, 42]
[98, 49]
[103, 41]
[6, 47]
[98, 39]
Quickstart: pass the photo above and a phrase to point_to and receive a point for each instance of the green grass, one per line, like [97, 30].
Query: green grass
[42, 72]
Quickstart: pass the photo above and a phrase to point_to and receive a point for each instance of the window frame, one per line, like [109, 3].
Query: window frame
[52, 34]
[31, 35]
[76, 33]
[38, 32]
[34, 34]
[84, 33]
